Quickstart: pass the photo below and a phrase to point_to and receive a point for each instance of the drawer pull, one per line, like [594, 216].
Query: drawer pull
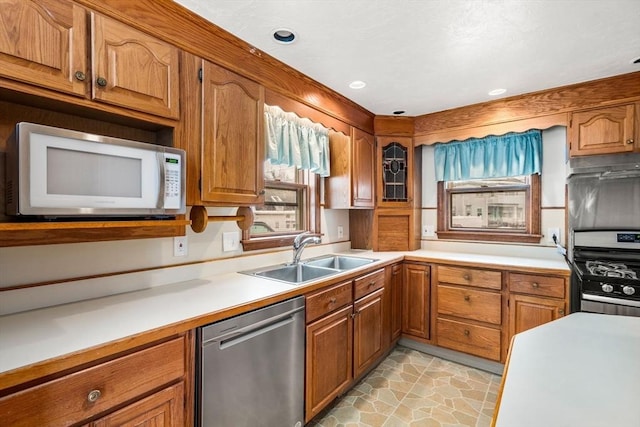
[332, 300]
[466, 277]
[372, 284]
[94, 395]
[467, 298]
[535, 285]
[466, 332]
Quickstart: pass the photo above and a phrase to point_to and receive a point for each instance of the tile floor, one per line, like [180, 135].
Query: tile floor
[410, 388]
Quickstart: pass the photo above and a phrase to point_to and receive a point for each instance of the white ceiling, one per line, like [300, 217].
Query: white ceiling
[423, 56]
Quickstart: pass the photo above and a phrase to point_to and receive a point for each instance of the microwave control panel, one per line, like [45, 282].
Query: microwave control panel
[172, 181]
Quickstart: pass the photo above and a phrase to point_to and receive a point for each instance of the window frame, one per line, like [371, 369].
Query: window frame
[310, 215]
[531, 234]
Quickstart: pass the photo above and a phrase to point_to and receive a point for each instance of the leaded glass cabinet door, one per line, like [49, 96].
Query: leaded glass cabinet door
[395, 165]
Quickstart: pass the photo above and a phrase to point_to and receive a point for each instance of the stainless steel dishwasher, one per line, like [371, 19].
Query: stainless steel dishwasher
[251, 368]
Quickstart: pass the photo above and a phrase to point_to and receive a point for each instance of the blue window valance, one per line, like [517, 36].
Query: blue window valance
[511, 154]
[294, 141]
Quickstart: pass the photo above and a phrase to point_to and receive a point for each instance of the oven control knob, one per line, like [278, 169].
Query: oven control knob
[607, 287]
[628, 290]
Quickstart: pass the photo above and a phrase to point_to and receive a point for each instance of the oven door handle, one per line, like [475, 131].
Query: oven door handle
[609, 300]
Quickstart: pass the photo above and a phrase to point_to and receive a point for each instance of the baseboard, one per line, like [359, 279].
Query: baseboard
[454, 356]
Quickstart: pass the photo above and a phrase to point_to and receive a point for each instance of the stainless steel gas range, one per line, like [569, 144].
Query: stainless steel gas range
[604, 238]
[607, 271]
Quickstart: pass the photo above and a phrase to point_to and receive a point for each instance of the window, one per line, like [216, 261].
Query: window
[492, 209]
[291, 206]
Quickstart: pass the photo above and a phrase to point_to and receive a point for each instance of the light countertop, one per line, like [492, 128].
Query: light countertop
[580, 370]
[37, 335]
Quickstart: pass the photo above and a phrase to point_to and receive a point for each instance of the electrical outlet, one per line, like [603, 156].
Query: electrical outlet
[230, 241]
[340, 232]
[553, 232]
[180, 246]
[428, 231]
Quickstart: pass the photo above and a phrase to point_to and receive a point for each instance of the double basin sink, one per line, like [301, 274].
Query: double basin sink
[311, 269]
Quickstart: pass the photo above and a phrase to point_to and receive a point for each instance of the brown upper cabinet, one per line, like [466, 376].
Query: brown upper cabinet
[395, 172]
[232, 138]
[132, 69]
[351, 184]
[46, 45]
[606, 130]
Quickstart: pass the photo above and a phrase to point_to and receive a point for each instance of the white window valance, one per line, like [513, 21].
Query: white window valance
[295, 141]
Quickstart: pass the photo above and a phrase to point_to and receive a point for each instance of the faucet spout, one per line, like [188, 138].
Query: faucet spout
[299, 243]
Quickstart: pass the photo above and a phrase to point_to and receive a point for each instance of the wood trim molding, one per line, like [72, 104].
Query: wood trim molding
[544, 122]
[565, 99]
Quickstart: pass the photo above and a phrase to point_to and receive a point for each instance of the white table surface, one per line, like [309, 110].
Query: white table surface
[582, 370]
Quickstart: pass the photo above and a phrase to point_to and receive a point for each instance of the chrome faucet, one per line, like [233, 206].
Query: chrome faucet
[302, 240]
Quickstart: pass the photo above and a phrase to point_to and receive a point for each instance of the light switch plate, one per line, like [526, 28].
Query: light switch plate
[230, 241]
[180, 246]
[428, 231]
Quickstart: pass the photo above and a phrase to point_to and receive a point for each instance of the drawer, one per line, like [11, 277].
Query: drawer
[471, 277]
[326, 300]
[366, 284]
[534, 284]
[470, 304]
[473, 339]
[66, 400]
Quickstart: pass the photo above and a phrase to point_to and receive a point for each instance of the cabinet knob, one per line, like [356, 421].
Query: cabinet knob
[630, 141]
[94, 395]
[561, 311]
[372, 284]
[466, 332]
[261, 192]
[332, 300]
[466, 277]
[79, 75]
[467, 298]
[101, 81]
[535, 285]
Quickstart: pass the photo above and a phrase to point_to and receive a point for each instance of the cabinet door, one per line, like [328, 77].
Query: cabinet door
[603, 131]
[162, 409]
[396, 301]
[44, 43]
[133, 69]
[233, 138]
[329, 359]
[527, 312]
[415, 300]
[367, 331]
[395, 172]
[363, 164]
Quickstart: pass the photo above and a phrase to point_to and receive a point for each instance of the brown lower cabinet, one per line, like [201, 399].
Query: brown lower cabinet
[145, 387]
[416, 299]
[346, 325]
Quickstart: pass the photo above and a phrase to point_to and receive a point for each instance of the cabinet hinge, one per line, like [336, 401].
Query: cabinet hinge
[200, 74]
[199, 184]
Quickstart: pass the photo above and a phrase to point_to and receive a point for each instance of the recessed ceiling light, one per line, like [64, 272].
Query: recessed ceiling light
[284, 35]
[398, 112]
[357, 84]
[497, 92]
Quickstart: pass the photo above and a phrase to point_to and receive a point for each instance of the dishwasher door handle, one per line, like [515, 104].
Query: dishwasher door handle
[242, 336]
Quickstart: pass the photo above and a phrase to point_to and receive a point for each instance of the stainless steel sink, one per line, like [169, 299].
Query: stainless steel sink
[339, 262]
[309, 270]
[295, 274]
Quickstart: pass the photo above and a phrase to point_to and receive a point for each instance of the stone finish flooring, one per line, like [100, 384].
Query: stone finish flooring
[410, 388]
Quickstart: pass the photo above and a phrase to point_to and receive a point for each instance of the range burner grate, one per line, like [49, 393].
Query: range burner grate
[610, 269]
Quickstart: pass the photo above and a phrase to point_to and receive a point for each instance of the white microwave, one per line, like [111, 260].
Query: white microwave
[53, 172]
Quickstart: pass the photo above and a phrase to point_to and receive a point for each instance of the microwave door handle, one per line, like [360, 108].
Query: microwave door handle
[162, 177]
